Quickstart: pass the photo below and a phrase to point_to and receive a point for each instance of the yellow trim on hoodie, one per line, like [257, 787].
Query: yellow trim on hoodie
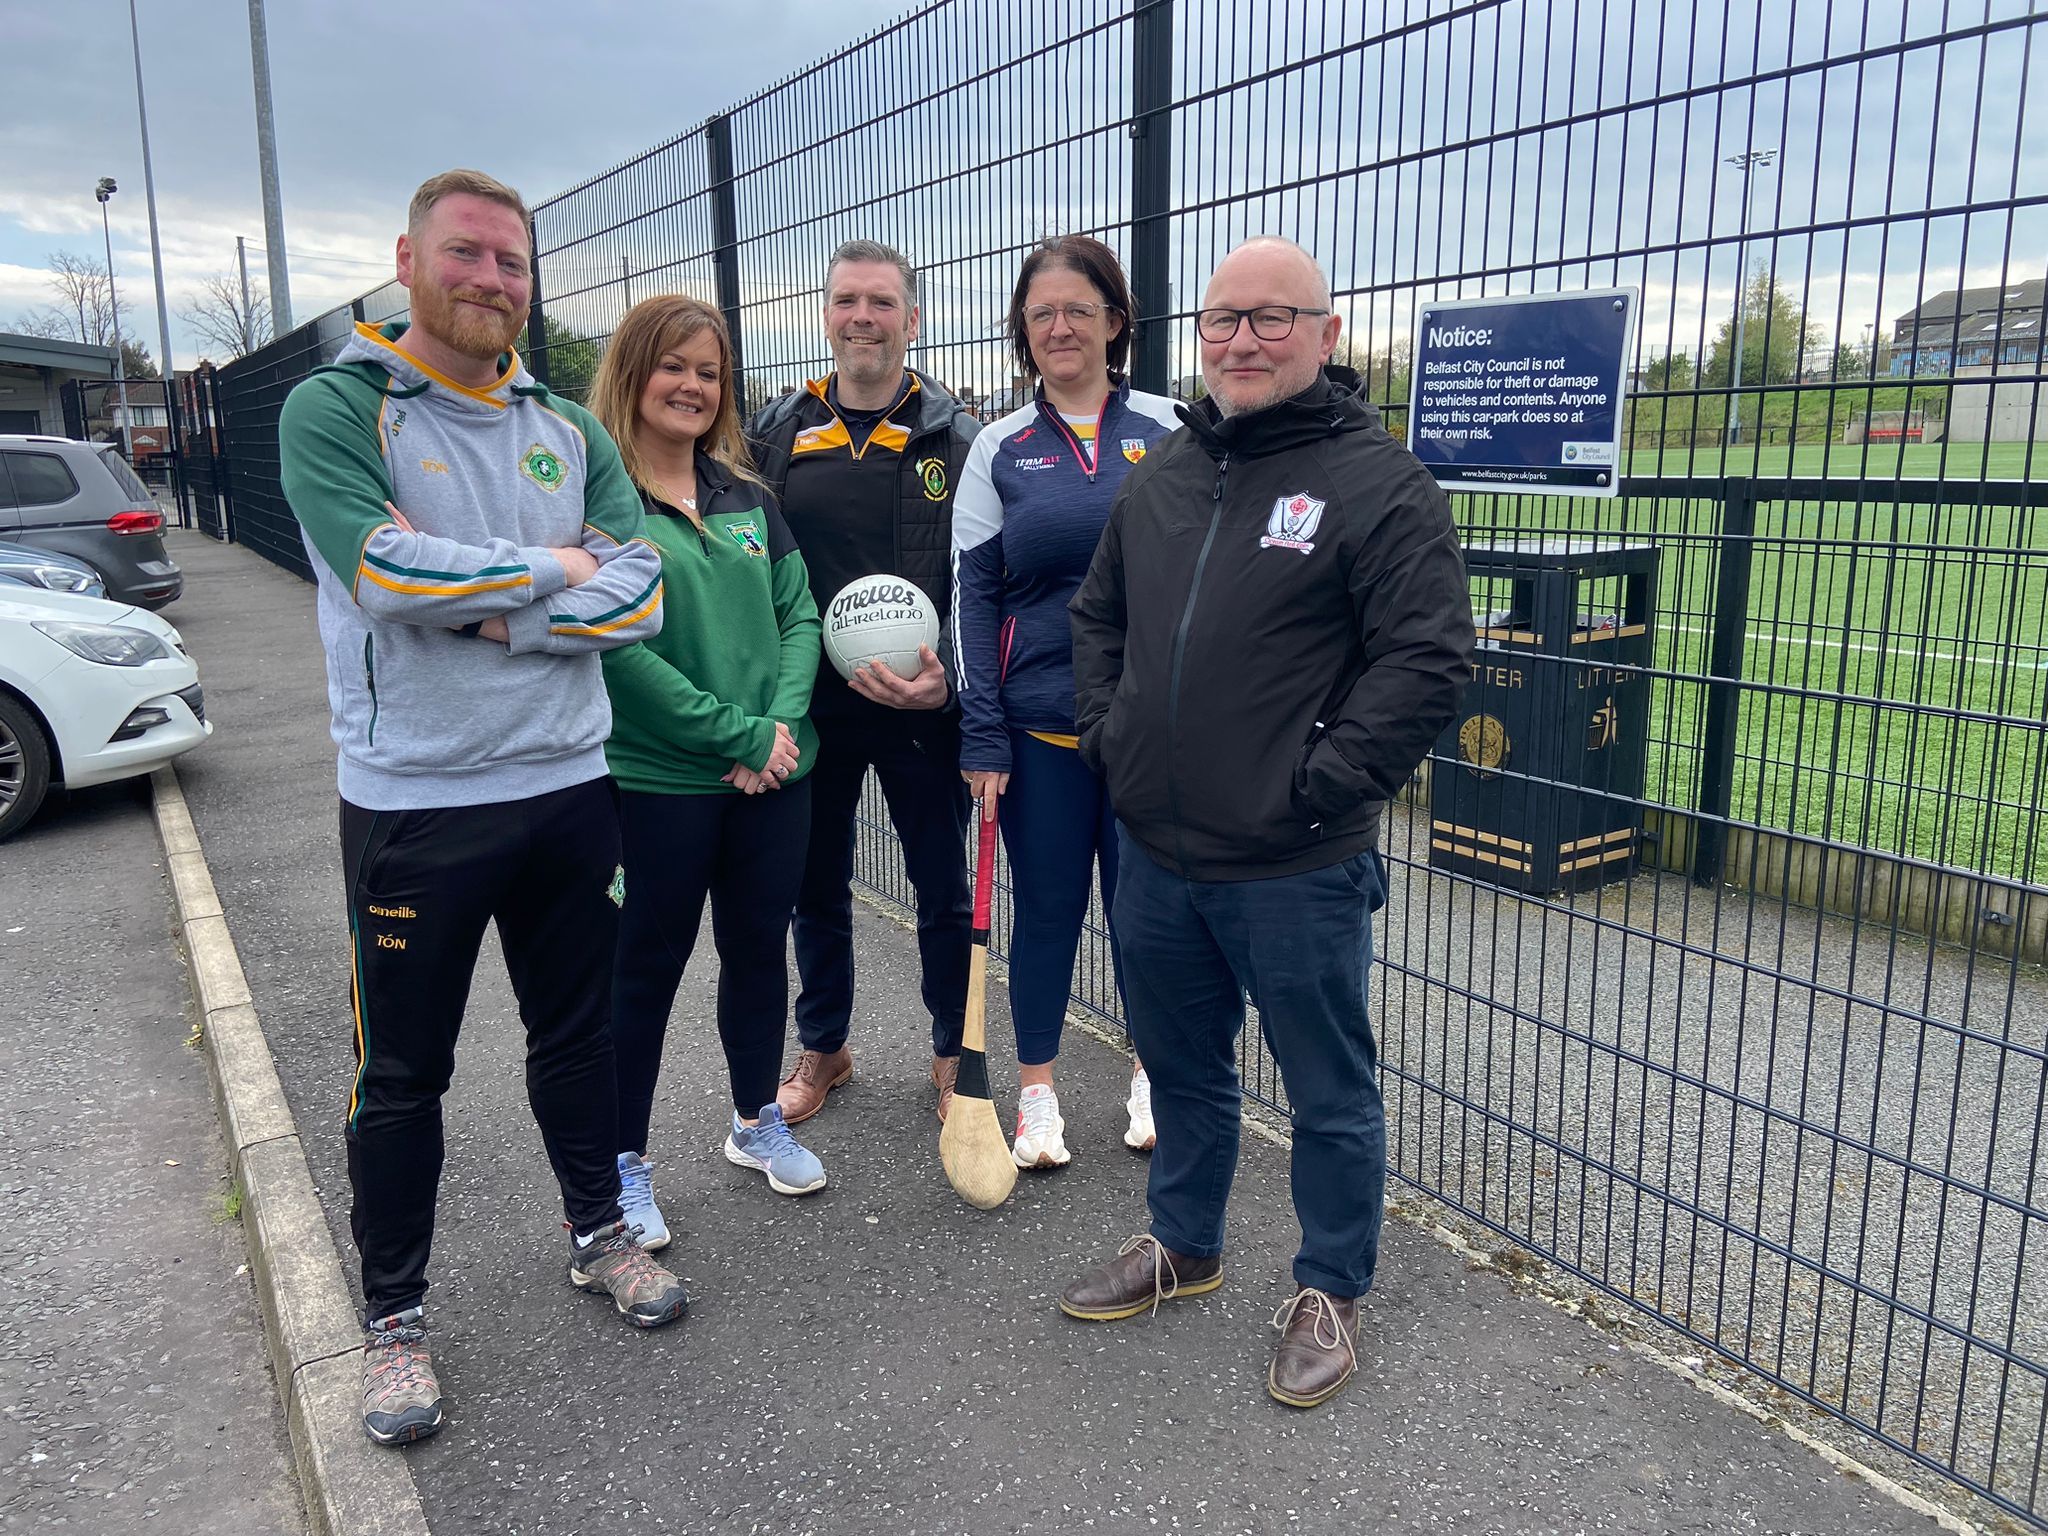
[369, 332]
[465, 590]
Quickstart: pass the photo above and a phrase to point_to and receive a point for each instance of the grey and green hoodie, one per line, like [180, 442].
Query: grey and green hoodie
[427, 713]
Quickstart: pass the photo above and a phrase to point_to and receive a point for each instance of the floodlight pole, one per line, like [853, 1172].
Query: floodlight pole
[105, 191]
[266, 158]
[1747, 162]
[166, 370]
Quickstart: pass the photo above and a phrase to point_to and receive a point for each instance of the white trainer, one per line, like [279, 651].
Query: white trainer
[1041, 1133]
[1142, 1135]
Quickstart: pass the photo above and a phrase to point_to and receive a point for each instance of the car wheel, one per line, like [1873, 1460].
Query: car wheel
[24, 766]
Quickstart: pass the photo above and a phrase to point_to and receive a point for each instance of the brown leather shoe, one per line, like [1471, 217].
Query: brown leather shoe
[815, 1074]
[1318, 1347]
[1143, 1274]
[945, 1073]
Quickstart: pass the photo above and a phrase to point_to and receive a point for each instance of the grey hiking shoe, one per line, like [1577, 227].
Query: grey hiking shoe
[401, 1398]
[646, 1294]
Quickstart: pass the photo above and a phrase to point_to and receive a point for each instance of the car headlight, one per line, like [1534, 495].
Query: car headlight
[55, 578]
[107, 644]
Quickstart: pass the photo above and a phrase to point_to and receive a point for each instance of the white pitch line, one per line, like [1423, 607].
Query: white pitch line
[1898, 652]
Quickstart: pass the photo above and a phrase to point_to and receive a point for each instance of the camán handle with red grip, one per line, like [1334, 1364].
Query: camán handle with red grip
[984, 873]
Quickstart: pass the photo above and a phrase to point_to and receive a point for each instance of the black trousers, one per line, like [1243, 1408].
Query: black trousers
[746, 853]
[421, 887]
[916, 756]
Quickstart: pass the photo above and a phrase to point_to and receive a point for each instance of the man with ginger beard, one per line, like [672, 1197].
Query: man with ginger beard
[1273, 630]
[477, 545]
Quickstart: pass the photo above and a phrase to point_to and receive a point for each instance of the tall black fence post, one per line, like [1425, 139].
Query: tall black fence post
[725, 228]
[1724, 665]
[172, 417]
[536, 315]
[1151, 189]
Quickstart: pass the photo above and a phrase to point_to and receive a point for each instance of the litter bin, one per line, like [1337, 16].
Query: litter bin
[1538, 784]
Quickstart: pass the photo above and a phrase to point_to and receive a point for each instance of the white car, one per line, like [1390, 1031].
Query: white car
[90, 691]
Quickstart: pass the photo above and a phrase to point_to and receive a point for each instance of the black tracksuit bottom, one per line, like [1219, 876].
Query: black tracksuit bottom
[745, 854]
[422, 885]
[916, 758]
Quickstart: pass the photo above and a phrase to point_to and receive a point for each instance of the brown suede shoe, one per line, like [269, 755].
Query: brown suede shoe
[945, 1073]
[1318, 1347]
[1143, 1274]
[815, 1074]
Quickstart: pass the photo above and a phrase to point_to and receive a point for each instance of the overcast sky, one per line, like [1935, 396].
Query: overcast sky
[1534, 145]
[371, 97]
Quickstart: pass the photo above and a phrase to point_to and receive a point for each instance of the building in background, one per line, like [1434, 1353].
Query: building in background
[149, 420]
[33, 373]
[1978, 328]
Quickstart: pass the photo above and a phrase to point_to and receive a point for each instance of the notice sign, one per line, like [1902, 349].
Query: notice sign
[1523, 394]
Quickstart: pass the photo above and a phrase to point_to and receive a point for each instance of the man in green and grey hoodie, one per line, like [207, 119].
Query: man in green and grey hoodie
[477, 546]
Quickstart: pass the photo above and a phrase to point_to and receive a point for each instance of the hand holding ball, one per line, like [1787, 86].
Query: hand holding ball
[880, 618]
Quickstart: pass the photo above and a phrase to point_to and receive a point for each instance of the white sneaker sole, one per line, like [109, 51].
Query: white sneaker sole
[656, 1245]
[1140, 1140]
[740, 1159]
[1028, 1154]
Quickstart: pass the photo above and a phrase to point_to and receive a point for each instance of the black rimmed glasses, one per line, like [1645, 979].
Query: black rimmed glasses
[1270, 322]
[1039, 316]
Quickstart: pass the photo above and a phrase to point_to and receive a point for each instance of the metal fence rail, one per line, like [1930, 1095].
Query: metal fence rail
[1783, 1089]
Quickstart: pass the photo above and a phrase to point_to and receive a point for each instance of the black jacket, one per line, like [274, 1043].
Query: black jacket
[1274, 629]
[940, 436]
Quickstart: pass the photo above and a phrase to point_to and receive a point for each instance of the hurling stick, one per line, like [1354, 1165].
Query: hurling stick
[972, 1147]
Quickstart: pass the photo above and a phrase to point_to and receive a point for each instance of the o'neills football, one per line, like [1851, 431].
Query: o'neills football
[880, 618]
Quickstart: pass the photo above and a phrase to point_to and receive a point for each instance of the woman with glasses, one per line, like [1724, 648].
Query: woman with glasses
[1031, 505]
[711, 739]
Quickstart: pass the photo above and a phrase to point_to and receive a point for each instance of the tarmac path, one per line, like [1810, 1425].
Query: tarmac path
[878, 1357]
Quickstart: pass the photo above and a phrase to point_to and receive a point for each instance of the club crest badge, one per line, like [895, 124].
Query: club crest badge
[543, 468]
[748, 537]
[1293, 523]
[1134, 448]
[617, 889]
[931, 474]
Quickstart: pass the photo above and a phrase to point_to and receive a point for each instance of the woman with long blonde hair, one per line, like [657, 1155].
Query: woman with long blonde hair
[710, 740]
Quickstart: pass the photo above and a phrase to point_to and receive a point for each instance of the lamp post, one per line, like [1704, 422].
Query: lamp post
[1747, 162]
[103, 192]
[167, 370]
[266, 162]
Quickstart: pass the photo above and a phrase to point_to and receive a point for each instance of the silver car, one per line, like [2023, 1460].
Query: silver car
[82, 500]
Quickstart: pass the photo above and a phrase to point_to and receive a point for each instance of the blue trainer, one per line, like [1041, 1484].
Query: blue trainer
[769, 1147]
[636, 1201]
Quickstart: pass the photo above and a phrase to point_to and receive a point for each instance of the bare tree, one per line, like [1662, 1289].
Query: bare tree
[217, 315]
[50, 324]
[85, 297]
[85, 308]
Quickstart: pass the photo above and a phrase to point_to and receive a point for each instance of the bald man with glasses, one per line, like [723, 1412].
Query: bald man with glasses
[1273, 631]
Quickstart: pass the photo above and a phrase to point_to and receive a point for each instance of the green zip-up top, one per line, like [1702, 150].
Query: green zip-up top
[738, 652]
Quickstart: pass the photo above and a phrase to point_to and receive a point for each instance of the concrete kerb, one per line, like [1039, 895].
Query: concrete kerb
[351, 1487]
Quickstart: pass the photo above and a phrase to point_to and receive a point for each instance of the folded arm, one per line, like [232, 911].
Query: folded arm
[335, 479]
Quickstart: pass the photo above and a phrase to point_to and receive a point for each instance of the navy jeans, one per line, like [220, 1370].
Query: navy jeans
[1300, 946]
[1056, 824]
